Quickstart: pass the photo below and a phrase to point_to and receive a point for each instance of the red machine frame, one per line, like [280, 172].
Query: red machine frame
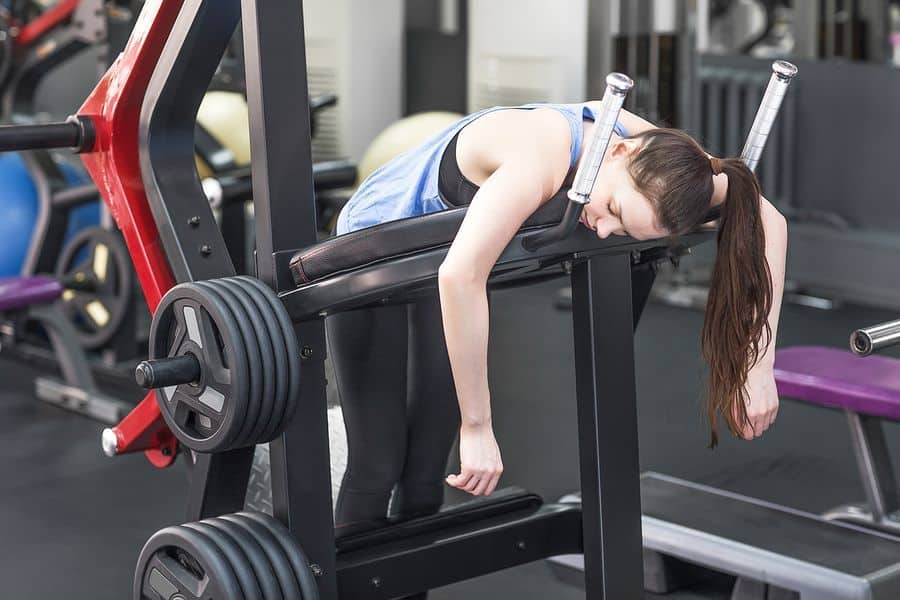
[114, 108]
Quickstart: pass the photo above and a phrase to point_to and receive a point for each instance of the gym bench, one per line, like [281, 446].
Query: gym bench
[24, 299]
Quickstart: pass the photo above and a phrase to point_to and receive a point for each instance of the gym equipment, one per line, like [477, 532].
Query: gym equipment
[210, 344]
[20, 203]
[402, 135]
[34, 299]
[96, 271]
[19, 213]
[49, 40]
[143, 127]
[868, 391]
[259, 486]
[250, 556]
[672, 528]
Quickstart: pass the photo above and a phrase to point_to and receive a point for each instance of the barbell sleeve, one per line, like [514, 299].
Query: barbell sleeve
[783, 73]
[617, 88]
[166, 372]
[76, 133]
[869, 339]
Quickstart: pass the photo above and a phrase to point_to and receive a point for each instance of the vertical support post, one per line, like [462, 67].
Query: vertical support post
[874, 464]
[607, 427]
[285, 210]
[218, 483]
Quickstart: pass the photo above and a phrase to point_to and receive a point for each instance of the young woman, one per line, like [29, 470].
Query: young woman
[393, 365]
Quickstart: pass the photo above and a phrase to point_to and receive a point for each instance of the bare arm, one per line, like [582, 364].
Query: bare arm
[763, 402]
[532, 169]
[775, 228]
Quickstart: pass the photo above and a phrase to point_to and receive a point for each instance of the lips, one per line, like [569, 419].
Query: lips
[584, 221]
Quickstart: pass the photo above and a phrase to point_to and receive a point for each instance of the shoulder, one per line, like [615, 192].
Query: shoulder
[518, 131]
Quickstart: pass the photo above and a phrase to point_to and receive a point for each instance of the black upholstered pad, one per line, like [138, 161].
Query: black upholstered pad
[395, 239]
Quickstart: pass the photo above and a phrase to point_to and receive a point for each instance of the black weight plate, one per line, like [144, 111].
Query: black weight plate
[284, 572]
[291, 344]
[281, 380]
[263, 334]
[177, 560]
[95, 269]
[292, 549]
[265, 573]
[250, 349]
[236, 557]
[205, 416]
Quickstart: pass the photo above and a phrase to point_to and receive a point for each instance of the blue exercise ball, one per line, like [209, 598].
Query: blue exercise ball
[18, 204]
[19, 211]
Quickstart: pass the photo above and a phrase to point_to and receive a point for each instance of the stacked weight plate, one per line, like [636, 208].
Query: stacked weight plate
[246, 555]
[243, 390]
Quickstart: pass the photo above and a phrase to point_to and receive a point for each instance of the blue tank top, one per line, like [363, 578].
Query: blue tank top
[407, 186]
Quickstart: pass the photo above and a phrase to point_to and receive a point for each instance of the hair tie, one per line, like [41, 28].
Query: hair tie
[715, 164]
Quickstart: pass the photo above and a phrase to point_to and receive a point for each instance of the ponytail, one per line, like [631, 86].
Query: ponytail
[736, 329]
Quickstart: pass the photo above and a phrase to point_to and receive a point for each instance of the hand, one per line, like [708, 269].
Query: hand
[761, 403]
[479, 457]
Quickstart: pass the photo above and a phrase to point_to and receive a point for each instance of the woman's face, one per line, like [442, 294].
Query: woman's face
[616, 207]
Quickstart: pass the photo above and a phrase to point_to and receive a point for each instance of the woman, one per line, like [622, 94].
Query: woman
[401, 406]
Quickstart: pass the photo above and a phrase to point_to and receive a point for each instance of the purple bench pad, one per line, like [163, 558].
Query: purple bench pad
[840, 379]
[22, 292]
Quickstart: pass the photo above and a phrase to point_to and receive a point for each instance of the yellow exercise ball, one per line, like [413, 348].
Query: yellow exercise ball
[226, 117]
[402, 135]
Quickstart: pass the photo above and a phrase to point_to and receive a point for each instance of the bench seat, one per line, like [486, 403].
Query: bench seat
[21, 292]
[839, 379]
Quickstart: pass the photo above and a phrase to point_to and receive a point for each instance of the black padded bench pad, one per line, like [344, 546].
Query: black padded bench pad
[397, 238]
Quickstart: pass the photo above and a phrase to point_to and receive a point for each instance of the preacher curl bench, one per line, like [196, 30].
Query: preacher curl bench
[226, 352]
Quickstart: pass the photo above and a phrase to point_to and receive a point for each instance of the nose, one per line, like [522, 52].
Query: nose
[605, 228]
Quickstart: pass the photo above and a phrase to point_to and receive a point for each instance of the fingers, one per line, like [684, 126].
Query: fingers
[477, 483]
[758, 423]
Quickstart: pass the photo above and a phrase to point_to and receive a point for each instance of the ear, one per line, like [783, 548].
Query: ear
[627, 148]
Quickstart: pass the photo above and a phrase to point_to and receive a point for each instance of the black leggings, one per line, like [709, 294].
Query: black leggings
[400, 410]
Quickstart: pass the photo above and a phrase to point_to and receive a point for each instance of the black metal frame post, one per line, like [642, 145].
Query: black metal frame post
[193, 243]
[285, 211]
[607, 427]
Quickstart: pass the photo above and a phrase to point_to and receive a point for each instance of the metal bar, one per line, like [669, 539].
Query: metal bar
[457, 553]
[193, 243]
[218, 483]
[75, 196]
[782, 74]
[50, 226]
[869, 339]
[617, 86]
[39, 137]
[607, 427]
[300, 464]
[874, 462]
[278, 102]
[285, 212]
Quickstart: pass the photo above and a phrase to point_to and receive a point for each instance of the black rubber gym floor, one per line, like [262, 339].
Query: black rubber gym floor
[72, 521]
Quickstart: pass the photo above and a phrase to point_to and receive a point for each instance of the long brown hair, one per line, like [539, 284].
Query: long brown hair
[675, 173]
